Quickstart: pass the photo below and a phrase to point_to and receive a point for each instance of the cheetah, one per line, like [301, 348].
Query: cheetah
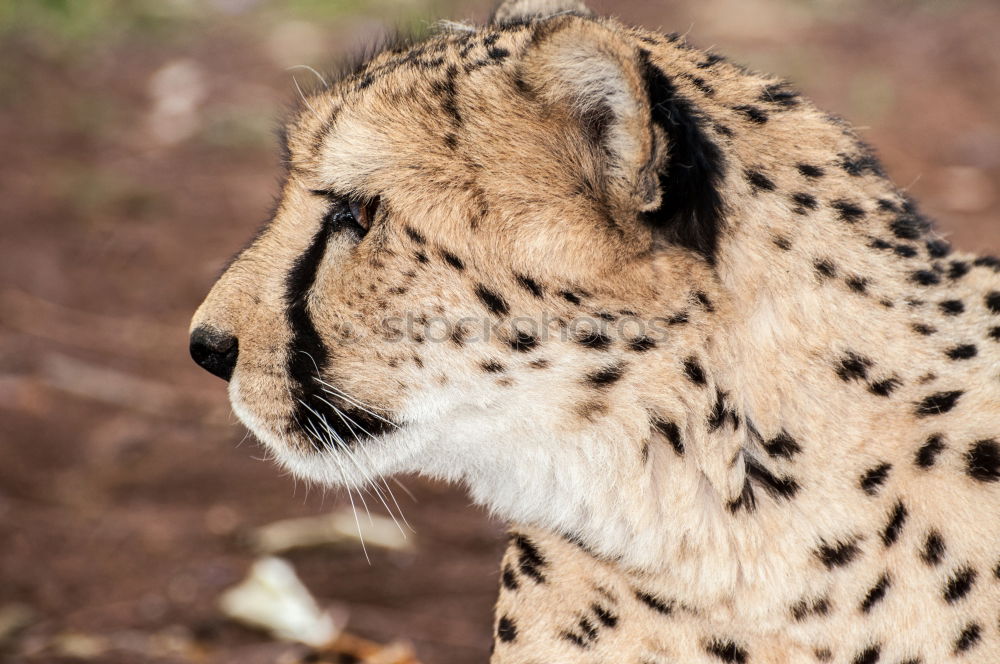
[738, 401]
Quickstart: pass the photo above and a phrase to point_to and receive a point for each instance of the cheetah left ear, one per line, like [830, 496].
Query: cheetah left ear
[597, 78]
[510, 11]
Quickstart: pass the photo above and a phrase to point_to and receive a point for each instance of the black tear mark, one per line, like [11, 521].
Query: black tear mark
[959, 584]
[876, 594]
[496, 304]
[934, 548]
[873, 478]
[897, 519]
[929, 451]
[939, 403]
[838, 554]
[982, 461]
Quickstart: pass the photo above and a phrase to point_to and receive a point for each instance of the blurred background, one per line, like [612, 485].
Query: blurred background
[138, 154]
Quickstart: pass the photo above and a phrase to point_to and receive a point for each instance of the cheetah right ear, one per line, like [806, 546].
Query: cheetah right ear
[511, 11]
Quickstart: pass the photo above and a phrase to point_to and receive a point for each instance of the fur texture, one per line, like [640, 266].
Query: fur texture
[660, 313]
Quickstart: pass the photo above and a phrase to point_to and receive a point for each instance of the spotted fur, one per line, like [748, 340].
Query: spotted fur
[739, 402]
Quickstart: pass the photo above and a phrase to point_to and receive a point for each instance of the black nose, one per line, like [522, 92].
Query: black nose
[215, 351]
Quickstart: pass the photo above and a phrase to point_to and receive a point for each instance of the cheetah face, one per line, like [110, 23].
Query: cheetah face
[471, 262]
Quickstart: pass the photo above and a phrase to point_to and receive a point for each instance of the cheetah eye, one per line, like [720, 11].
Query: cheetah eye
[357, 214]
[364, 212]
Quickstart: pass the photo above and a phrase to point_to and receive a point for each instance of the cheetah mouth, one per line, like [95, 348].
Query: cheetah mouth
[333, 420]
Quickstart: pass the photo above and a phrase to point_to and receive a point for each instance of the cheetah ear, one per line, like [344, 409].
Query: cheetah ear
[511, 11]
[597, 78]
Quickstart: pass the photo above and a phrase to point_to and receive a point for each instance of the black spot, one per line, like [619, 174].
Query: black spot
[759, 181]
[779, 94]
[848, 211]
[908, 226]
[421, 257]
[641, 344]
[496, 304]
[690, 213]
[962, 352]
[453, 260]
[414, 235]
[959, 584]
[570, 296]
[925, 330]
[823, 654]
[982, 461]
[671, 432]
[657, 604]
[506, 630]
[530, 560]
[934, 547]
[782, 445]
[605, 616]
[779, 487]
[497, 53]
[810, 171]
[993, 302]
[694, 372]
[606, 376]
[904, 250]
[727, 651]
[593, 340]
[782, 242]
[938, 248]
[995, 333]
[884, 388]
[838, 554]
[805, 202]
[523, 342]
[939, 403]
[873, 478]
[991, 262]
[710, 60]
[530, 285]
[861, 164]
[896, 521]
[929, 451]
[803, 608]
[869, 655]
[969, 637]
[509, 578]
[575, 639]
[958, 269]
[825, 268]
[704, 301]
[952, 307]
[854, 367]
[492, 366]
[752, 113]
[857, 284]
[876, 594]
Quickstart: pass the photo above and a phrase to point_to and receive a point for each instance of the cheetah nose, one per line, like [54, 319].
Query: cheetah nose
[215, 351]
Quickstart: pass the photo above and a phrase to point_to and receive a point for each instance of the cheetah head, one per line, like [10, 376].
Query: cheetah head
[486, 243]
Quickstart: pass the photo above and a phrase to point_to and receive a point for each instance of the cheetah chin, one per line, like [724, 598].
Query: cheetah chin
[737, 399]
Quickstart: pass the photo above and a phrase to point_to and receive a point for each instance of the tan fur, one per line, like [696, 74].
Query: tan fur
[522, 157]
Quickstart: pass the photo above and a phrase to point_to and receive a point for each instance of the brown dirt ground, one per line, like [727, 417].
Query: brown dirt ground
[125, 494]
